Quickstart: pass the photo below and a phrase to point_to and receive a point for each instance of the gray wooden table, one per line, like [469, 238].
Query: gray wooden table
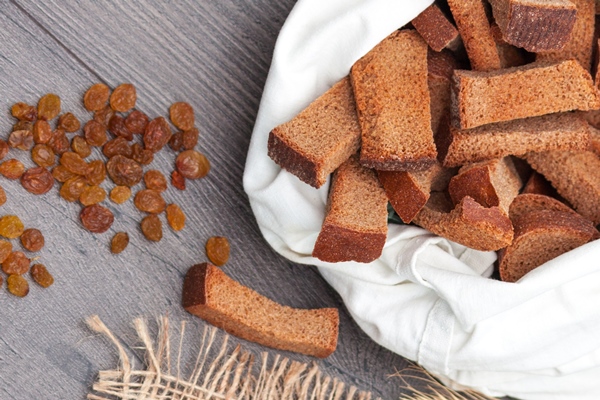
[214, 55]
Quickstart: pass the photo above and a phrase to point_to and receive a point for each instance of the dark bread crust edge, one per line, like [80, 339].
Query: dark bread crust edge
[406, 196]
[338, 244]
[294, 162]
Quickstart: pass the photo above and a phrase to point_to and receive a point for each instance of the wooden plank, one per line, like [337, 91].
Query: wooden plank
[214, 55]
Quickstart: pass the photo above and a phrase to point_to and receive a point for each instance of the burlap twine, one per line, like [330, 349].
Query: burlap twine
[227, 373]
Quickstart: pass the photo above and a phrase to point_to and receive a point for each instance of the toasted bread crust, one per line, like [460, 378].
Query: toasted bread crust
[436, 29]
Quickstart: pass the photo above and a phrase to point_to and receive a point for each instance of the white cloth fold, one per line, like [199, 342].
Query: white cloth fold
[426, 298]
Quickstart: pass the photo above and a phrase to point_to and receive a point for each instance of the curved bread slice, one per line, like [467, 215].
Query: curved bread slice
[213, 296]
[529, 202]
[436, 29]
[469, 223]
[541, 236]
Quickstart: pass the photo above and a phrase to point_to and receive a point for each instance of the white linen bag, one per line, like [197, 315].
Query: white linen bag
[426, 298]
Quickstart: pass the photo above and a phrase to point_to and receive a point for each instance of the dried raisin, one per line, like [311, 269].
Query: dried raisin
[182, 115]
[96, 218]
[97, 173]
[43, 155]
[80, 146]
[157, 134]
[23, 126]
[96, 97]
[17, 285]
[3, 149]
[41, 276]
[5, 249]
[2, 196]
[155, 180]
[12, 169]
[120, 194]
[42, 132]
[59, 141]
[95, 133]
[37, 180]
[141, 155]
[72, 188]
[136, 122]
[149, 201]
[104, 115]
[175, 217]
[176, 142]
[217, 250]
[123, 98]
[177, 180]
[32, 239]
[119, 242]
[48, 107]
[69, 123]
[22, 140]
[16, 263]
[117, 146]
[61, 174]
[116, 125]
[24, 112]
[74, 163]
[152, 227]
[190, 138]
[11, 226]
[192, 164]
[124, 171]
[92, 195]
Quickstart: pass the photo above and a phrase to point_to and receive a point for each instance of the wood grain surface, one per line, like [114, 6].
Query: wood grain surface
[214, 55]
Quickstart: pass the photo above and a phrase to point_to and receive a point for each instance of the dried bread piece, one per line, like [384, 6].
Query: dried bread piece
[321, 137]
[474, 27]
[392, 100]
[575, 177]
[468, 223]
[436, 29]
[529, 202]
[530, 90]
[355, 226]
[535, 25]
[561, 131]
[581, 41]
[537, 184]
[408, 192]
[213, 296]
[440, 68]
[510, 56]
[490, 183]
[595, 140]
[541, 236]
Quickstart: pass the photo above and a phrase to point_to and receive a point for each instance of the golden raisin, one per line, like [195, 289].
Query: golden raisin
[155, 180]
[42, 132]
[80, 146]
[24, 112]
[43, 155]
[16, 263]
[123, 98]
[141, 155]
[3, 149]
[149, 201]
[177, 180]
[124, 171]
[217, 250]
[2, 196]
[48, 106]
[95, 133]
[69, 123]
[22, 140]
[92, 195]
[175, 217]
[5, 249]
[12, 169]
[136, 122]
[32, 239]
[192, 164]
[116, 125]
[152, 228]
[104, 115]
[182, 115]
[120, 194]
[96, 218]
[37, 180]
[117, 146]
[11, 226]
[119, 242]
[41, 276]
[96, 97]
[17, 285]
[72, 188]
[23, 126]
[97, 173]
[59, 142]
[74, 163]
[157, 134]
[61, 174]
[176, 141]
[190, 138]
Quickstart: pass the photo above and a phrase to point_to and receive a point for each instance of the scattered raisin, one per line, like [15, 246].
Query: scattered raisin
[17, 285]
[96, 97]
[32, 239]
[43, 155]
[192, 164]
[97, 173]
[23, 126]
[182, 115]
[120, 194]
[119, 242]
[95, 133]
[96, 218]
[72, 188]
[80, 146]
[92, 195]
[5, 249]
[61, 174]
[123, 97]
[190, 138]
[217, 250]
[124, 171]
[48, 107]
[37, 180]
[74, 163]
[136, 122]
[11, 226]
[141, 155]
[104, 115]
[176, 142]
[22, 140]
[69, 123]
[16, 263]
[177, 180]
[157, 134]
[12, 169]
[2, 196]
[59, 141]
[3, 149]
[149, 201]
[24, 112]
[175, 217]
[152, 227]
[117, 146]
[116, 125]
[41, 276]
[155, 180]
